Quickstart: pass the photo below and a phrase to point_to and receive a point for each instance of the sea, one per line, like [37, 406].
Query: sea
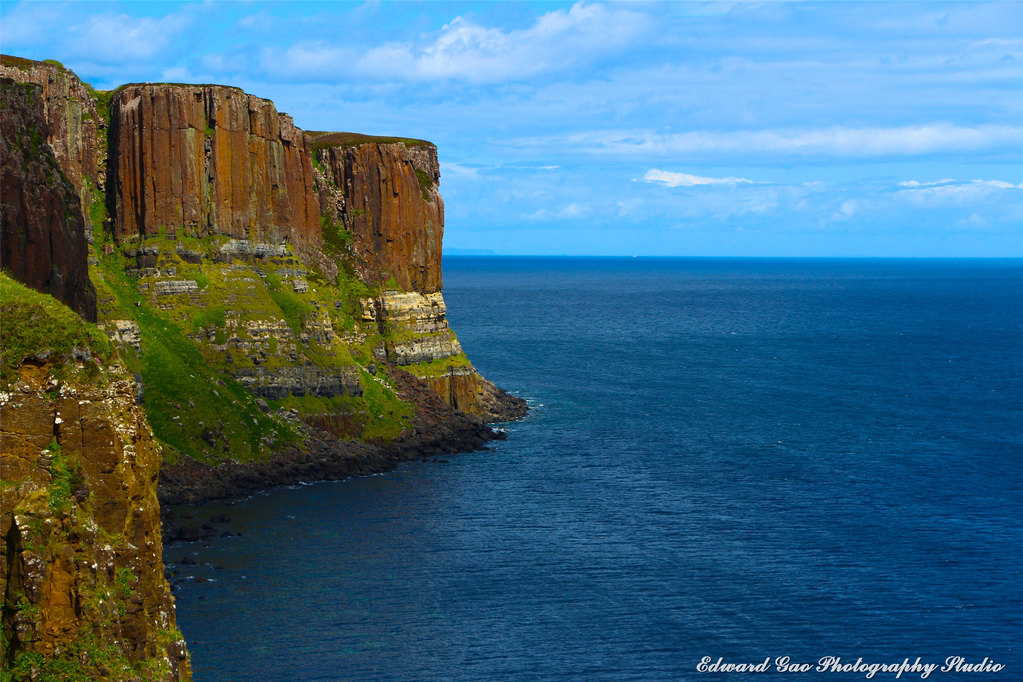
[726, 462]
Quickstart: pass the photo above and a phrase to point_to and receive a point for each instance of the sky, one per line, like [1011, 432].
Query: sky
[602, 128]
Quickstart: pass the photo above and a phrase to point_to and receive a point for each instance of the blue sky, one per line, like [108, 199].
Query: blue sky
[683, 128]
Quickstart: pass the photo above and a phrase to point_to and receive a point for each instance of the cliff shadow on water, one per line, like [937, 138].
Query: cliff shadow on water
[269, 307]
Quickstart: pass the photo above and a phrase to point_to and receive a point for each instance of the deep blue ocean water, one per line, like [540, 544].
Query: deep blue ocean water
[728, 458]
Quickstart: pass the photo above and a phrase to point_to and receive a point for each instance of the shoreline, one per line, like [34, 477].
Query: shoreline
[437, 429]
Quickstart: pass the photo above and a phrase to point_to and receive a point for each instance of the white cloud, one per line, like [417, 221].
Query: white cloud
[686, 180]
[930, 195]
[846, 211]
[466, 51]
[832, 141]
[105, 38]
[27, 24]
[309, 58]
[573, 210]
[1000, 184]
[973, 222]
[113, 37]
[915, 183]
[458, 170]
[629, 208]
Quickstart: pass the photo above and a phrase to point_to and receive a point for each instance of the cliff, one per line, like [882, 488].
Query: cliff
[275, 301]
[204, 160]
[75, 130]
[384, 193]
[81, 569]
[42, 230]
[378, 189]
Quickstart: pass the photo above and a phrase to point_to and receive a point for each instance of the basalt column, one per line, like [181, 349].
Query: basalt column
[210, 160]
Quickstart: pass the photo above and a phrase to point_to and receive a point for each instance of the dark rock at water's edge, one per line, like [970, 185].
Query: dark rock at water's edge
[438, 429]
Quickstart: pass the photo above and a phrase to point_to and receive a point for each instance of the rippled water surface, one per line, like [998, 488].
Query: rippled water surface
[734, 458]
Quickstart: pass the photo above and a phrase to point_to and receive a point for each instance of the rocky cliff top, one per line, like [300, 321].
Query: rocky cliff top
[208, 160]
[323, 139]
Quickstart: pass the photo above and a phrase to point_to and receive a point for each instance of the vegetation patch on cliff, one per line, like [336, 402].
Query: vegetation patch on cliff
[17, 62]
[426, 185]
[36, 325]
[260, 318]
[439, 367]
[192, 406]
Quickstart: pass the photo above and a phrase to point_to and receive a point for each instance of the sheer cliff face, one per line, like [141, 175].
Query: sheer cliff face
[393, 208]
[81, 572]
[75, 131]
[209, 160]
[41, 224]
[385, 194]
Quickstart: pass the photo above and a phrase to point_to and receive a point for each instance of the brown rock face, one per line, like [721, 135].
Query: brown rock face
[466, 390]
[81, 570]
[392, 207]
[41, 224]
[209, 160]
[75, 130]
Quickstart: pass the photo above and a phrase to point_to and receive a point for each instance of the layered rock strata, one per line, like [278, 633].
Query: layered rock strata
[384, 193]
[276, 299]
[245, 254]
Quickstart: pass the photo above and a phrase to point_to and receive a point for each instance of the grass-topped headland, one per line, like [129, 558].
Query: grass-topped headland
[186, 85]
[322, 139]
[17, 62]
[26, 64]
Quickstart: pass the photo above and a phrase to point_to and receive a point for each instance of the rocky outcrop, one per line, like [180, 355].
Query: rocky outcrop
[466, 390]
[389, 201]
[420, 341]
[41, 223]
[280, 382]
[420, 321]
[209, 160]
[81, 570]
[75, 130]
[420, 313]
[383, 192]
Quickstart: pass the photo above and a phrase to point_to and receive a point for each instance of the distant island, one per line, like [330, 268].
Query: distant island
[468, 252]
